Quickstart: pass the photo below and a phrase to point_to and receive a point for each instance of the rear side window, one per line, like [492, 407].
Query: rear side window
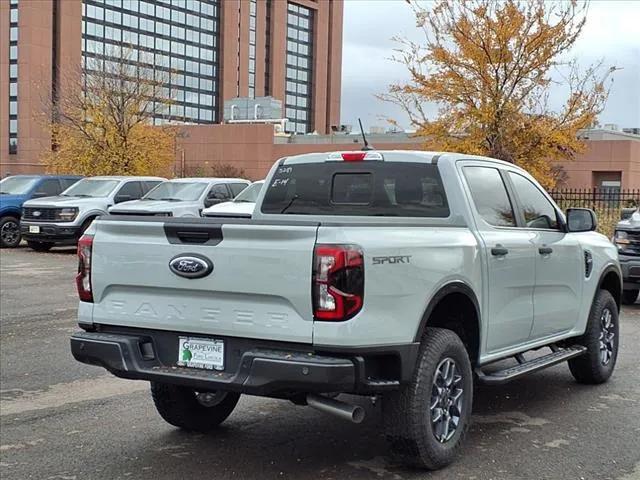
[236, 188]
[373, 188]
[490, 196]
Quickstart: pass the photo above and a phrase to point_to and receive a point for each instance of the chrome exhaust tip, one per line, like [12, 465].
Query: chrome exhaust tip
[346, 411]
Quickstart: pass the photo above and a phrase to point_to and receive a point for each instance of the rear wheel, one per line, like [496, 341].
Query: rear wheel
[629, 297]
[427, 419]
[40, 246]
[192, 410]
[601, 339]
[9, 232]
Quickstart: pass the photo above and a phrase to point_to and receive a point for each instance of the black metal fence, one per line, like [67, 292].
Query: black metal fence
[606, 202]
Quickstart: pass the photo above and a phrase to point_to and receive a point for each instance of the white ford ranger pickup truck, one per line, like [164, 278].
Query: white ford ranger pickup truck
[393, 274]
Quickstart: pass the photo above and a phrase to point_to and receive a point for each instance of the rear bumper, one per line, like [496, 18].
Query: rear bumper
[252, 367]
[50, 232]
[630, 267]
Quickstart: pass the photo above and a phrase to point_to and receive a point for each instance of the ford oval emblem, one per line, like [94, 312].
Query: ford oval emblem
[37, 213]
[191, 265]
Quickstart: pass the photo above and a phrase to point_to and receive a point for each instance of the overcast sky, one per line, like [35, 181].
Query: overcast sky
[611, 32]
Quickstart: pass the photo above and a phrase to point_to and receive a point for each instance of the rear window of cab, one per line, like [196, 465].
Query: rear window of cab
[368, 188]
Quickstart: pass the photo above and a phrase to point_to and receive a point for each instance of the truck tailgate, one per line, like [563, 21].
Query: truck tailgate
[260, 286]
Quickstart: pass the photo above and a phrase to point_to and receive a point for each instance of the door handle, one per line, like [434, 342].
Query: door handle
[545, 250]
[499, 251]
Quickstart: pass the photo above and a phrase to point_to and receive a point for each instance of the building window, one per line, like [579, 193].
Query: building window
[253, 6]
[172, 40]
[13, 77]
[267, 51]
[299, 67]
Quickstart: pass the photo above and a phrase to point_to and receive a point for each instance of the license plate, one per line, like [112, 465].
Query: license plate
[201, 353]
[34, 229]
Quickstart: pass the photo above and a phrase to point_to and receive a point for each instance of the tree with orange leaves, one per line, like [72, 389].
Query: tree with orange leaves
[488, 65]
[103, 123]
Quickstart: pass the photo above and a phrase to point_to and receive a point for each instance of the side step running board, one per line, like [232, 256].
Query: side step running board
[529, 366]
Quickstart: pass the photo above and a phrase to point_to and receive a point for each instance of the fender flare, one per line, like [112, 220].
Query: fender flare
[605, 271]
[12, 212]
[456, 286]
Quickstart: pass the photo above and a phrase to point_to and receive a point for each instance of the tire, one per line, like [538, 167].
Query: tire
[408, 413]
[9, 232]
[629, 297]
[40, 246]
[180, 407]
[597, 364]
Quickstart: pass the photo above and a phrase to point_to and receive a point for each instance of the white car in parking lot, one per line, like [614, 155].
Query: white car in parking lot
[183, 197]
[243, 205]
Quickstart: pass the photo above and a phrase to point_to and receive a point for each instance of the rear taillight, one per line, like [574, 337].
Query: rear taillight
[83, 279]
[338, 282]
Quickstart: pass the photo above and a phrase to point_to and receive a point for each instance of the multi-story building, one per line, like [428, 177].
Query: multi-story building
[215, 50]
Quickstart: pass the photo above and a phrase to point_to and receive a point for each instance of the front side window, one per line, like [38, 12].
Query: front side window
[48, 187]
[130, 191]
[219, 192]
[490, 196]
[538, 212]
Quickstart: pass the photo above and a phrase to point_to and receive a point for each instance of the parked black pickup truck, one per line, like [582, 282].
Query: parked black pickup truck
[627, 239]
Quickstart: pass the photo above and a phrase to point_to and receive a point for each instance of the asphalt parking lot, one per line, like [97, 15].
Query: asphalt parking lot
[63, 420]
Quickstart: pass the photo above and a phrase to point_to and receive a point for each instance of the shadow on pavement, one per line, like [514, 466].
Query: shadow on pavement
[277, 438]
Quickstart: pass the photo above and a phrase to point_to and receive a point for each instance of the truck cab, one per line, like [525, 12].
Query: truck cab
[17, 189]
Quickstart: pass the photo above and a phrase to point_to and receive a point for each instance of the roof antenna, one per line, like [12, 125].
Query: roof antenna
[364, 138]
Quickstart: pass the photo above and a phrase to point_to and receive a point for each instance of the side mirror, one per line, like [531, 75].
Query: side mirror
[122, 198]
[210, 202]
[39, 194]
[581, 220]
